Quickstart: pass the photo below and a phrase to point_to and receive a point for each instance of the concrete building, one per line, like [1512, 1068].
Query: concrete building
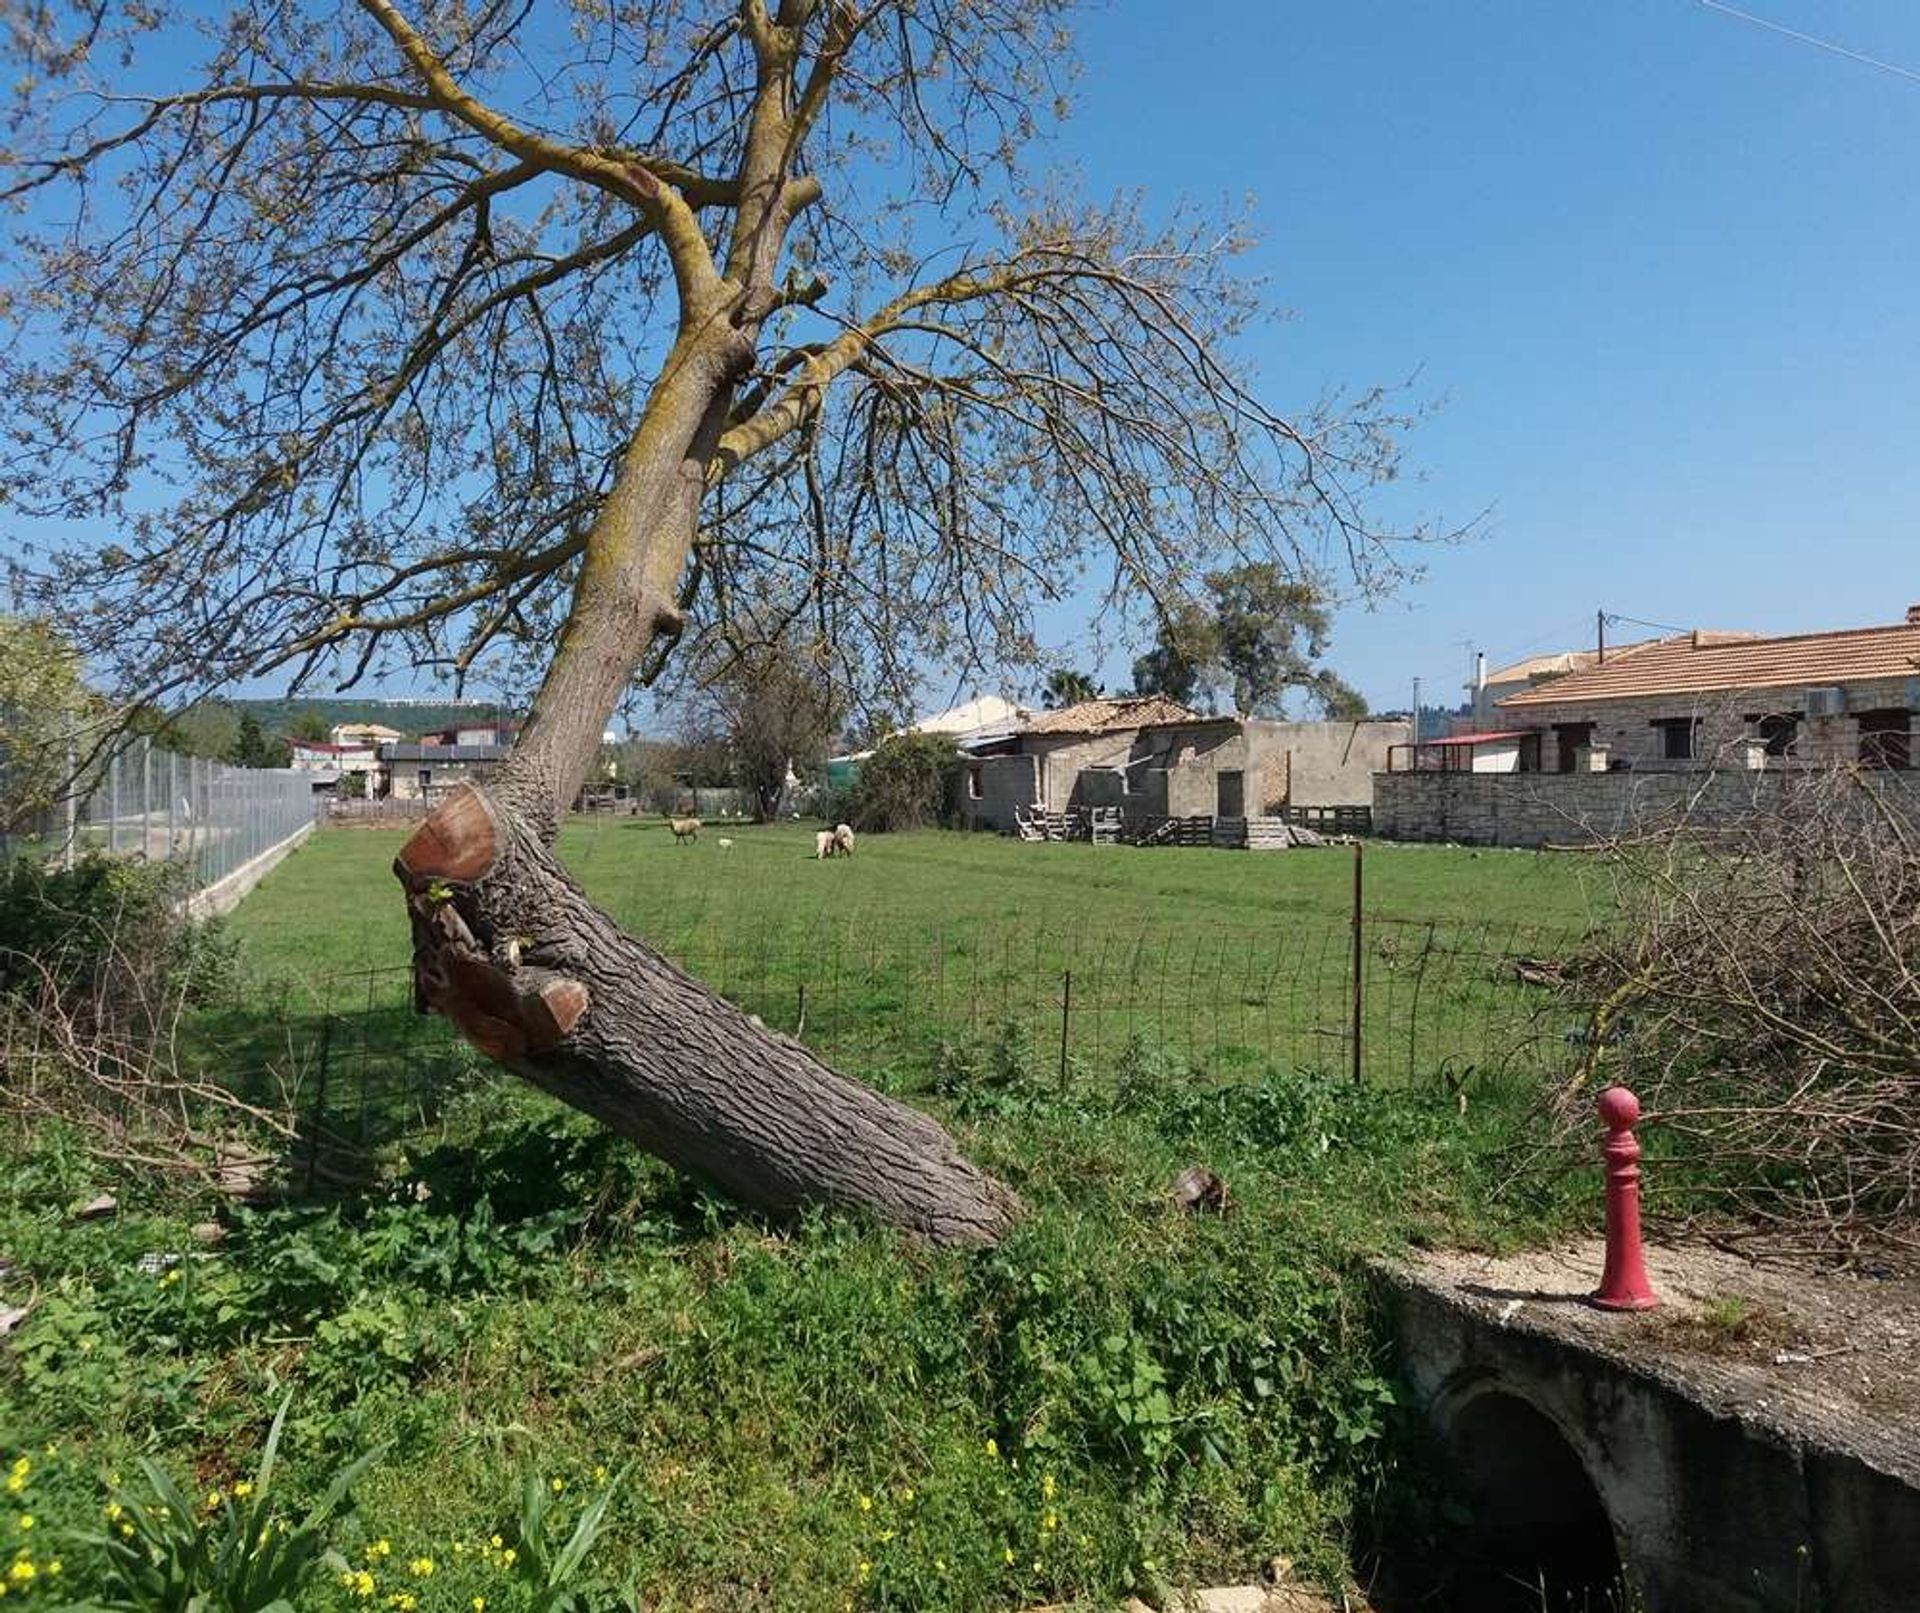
[1683, 706]
[424, 772]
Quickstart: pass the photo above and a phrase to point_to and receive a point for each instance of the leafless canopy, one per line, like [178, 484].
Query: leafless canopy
[331, 324]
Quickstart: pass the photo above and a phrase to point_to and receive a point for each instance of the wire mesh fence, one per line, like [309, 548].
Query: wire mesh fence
[139, 800]
[1437, 999]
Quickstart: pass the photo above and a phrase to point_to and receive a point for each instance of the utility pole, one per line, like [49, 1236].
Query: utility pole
[1416, 711]
[1600, 632]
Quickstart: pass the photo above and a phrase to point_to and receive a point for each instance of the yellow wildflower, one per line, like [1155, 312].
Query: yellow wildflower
[242, 1490]
[380, 1548]
[420, 1567]
[479, 1604]
[939, 1565]
[213, 1500]
[1006, 1552]
[114, 1509]
[496, 1542]
[1051, 1521]
[358, 1582]
[866, 1568]
[599, 1475]
[884, 1536]
[507, 1557]
[126, 1529]
[866, 1503]
[26, 1520]
[993, 1450]
[1046, 1485]
[906, 1496]
[559, 1485]
[169, 1277]
[53, 1566]
[23, 1571]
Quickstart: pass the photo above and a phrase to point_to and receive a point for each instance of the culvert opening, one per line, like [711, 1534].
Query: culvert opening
[1537, 1535]
[1522, 1530]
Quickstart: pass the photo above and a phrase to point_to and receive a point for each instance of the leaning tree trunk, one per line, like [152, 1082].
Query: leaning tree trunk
[511, 950]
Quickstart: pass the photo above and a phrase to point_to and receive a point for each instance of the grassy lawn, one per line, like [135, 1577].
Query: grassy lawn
[333, 907]
[815, 1416]
[1239, 959]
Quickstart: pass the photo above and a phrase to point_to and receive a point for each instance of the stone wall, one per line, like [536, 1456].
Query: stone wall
[1002, 783]
[1537, 809]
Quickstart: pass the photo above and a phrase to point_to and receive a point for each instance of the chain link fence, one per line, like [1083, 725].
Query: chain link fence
[141, 801]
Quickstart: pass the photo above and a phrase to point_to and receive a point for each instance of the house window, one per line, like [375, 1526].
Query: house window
[1779, 730]
[975, 771]
[1886, 739]
[426, 778]
[1676, 737]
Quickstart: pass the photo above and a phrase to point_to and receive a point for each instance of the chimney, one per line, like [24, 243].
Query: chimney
[1480, 668]
[1913, 616]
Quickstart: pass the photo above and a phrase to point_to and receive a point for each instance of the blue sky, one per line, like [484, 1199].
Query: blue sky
[1659, 267]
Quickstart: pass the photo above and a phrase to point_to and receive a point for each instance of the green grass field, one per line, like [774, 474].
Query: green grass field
[808, 1417]
[1238, 959]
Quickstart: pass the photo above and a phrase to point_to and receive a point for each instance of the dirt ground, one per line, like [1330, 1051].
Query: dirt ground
[1774, 1338]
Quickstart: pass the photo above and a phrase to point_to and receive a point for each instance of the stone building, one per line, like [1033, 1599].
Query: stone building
[1674, 708]
[1152, 757]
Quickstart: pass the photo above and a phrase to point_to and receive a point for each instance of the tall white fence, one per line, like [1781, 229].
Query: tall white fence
[142, 801]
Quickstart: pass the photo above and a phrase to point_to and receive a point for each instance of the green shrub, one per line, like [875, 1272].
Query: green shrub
[904, 783]
[105, 932]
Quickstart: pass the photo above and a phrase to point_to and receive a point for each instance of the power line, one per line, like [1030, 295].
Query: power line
[1636, 621]
[1812, 39]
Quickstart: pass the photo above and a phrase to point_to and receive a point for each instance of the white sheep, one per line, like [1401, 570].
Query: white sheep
[823, 844]
[843, 839]
[725, 843]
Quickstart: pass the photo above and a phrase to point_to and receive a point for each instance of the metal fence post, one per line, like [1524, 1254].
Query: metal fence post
[1066, 1022]
[113, 803]
[1359, 965]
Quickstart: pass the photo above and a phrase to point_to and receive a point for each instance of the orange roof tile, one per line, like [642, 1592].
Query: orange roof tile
[1106, 716]
[1712, 663]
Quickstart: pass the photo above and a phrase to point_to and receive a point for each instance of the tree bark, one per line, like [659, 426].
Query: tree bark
[513, 952]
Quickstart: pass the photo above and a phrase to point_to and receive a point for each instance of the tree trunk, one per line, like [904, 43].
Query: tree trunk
[510, 949]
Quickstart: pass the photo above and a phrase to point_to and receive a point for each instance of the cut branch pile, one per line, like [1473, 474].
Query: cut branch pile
[1763, 999]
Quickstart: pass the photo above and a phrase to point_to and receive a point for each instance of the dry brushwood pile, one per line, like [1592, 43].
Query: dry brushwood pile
[1762, 996]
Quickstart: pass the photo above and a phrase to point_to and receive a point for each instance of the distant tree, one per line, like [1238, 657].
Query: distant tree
[904, 783]
[777, 707]
[209, 728]
[252, 746]
[309, 728]
[1260, 637]
[43, 703]
[1066, 687]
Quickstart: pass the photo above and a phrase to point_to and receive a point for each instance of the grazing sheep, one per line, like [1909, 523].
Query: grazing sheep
[843, 839]
[725, 843]
[823, 844]
[684, 829]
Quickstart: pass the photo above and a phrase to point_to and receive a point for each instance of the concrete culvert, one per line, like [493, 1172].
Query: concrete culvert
[1539, 1537]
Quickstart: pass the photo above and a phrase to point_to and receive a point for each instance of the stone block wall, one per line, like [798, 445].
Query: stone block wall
[1538, 809]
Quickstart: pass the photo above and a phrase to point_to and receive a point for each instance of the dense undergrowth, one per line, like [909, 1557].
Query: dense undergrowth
[1122, 1395]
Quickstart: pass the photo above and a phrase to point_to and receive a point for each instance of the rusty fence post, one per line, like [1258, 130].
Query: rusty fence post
[1623, 1284]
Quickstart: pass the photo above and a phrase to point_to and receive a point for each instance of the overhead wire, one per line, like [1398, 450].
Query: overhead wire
[1828, 45]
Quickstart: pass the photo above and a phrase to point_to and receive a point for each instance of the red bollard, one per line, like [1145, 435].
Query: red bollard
[1623, 1285]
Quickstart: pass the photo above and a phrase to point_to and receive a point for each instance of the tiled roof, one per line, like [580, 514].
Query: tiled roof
[1712, 663]
[1108, 716]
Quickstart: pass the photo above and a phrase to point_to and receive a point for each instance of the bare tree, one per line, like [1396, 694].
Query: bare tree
[566, 333]
[778, 709]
